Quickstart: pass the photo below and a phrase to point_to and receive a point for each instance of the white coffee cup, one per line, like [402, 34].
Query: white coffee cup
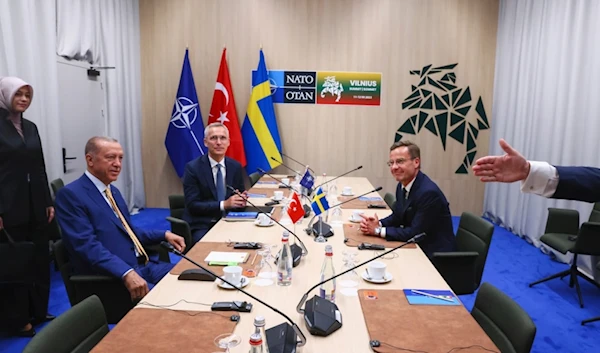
[263, 219]
[347, 190]
[356, 216]
[285, 181]
[233, 274]
[377, 270]
[278, 195]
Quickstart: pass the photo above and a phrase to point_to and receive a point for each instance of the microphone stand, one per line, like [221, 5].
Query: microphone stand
[306, 208]
[337, 177]
[302, 164]
[297, 251]
[326, 321]
[295, 327]
[322, 229]
[285, 166]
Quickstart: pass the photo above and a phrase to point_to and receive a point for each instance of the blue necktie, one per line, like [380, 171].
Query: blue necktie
[220, 185]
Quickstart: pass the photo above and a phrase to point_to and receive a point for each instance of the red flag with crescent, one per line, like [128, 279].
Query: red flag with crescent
[223, 110]
[295, 209]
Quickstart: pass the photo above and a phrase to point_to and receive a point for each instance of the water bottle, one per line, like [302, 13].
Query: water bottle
[327, 290]
[256, 343]
[285, 261]
[259, 327]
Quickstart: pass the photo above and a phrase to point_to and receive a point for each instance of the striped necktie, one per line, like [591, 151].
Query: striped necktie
[134, 239]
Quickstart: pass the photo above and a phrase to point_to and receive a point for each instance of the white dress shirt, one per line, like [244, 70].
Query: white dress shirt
[213, 166]
[542, 179]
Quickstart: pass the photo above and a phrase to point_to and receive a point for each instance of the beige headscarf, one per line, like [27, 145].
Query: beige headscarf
[8, 87]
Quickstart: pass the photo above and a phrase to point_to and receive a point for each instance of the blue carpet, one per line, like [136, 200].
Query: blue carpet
[512, 263]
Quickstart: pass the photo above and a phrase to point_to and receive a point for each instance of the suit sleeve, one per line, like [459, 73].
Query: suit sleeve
[428, 206]
[79, 232]
[193, 196]
[578, 183]
[43, 177]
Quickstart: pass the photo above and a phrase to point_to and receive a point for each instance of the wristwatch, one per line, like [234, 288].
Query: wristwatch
[378, 231]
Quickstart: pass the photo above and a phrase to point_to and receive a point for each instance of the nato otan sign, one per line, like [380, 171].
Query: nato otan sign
[325, 87]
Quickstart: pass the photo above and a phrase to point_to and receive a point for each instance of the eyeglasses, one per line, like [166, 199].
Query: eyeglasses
[400, 161]
[217, 137]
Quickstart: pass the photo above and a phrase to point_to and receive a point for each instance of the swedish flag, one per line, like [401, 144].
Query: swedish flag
[259, 130]
[319, 204]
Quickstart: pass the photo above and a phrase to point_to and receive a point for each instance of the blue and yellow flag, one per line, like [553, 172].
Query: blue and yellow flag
[319, 203]
[259, 130]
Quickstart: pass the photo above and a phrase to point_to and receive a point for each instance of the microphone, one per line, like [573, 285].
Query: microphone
[279, 337]
[323, 317]
[302, 164]
[297, 251]
[285, 166]
[306, 208]
[321, 228]
[339, 176]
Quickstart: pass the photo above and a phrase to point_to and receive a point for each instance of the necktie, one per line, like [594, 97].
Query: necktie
[404, 194]
[134, 239]
[220, 184]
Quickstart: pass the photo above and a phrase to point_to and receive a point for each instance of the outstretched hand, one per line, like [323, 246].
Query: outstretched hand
[508, 168]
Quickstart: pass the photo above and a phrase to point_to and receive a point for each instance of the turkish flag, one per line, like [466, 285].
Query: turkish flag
[295, 209]
[223, 110]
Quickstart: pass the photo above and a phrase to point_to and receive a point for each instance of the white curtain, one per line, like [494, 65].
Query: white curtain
[546, 101]
[27, 50]
[107, 34]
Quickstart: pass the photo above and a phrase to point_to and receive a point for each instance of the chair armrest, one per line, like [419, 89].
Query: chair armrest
[176, 220]
[93, 278]
[456, 254]
[563, 221]
[182, 228]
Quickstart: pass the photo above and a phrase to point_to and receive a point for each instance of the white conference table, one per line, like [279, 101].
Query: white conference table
[410, 269]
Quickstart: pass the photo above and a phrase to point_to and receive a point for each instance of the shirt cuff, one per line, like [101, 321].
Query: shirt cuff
[222, 205]
[542, 179]
[126, 272]
[382, 234]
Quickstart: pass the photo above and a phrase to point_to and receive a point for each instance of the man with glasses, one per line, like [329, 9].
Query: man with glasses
[205, 181]
[420, 205]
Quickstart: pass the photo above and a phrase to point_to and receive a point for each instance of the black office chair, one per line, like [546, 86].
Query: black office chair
[77, 330]
[56, 185]
[254, 177]
[178, 225]
[463, 268]
[390, 200]
[505, 322]
[597, 318]
[112, 292]
[586, 242]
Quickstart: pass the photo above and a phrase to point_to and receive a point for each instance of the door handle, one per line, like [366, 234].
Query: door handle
[65, 158]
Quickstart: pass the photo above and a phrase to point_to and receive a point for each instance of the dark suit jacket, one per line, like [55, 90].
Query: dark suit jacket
[94, 236]
[201, 206]
[21, 159]
[578, 183]
[425, 210]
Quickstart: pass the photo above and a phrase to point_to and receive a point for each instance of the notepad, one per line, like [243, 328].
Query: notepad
[258, 196]
[429, 297]
[241, 216]
[370, 198]
[226, 257]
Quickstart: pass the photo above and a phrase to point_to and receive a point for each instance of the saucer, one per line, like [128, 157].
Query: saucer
[351, 194]
[387, 278]
[277, 200]
[354, 221]
[256, 223]
[224, 285]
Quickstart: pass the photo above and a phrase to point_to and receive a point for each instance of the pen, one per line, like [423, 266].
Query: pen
[254, 258]
[431, 295]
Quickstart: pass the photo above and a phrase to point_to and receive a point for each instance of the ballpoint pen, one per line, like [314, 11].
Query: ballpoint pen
[432, 295]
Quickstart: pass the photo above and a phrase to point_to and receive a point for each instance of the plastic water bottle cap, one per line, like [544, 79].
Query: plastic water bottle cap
[259, 321]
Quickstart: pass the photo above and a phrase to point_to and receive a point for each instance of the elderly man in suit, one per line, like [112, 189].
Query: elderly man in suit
[205, 181]
[420, 205]
[96, 225]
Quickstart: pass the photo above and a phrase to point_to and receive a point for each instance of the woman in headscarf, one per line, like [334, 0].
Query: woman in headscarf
[25, 207]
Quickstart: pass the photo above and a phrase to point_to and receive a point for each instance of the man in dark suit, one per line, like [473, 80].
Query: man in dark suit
[96, 225]
[541, 178]
[205, 181]
[420, 205]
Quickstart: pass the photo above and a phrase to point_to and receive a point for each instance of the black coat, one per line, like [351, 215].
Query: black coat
[22, 159]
